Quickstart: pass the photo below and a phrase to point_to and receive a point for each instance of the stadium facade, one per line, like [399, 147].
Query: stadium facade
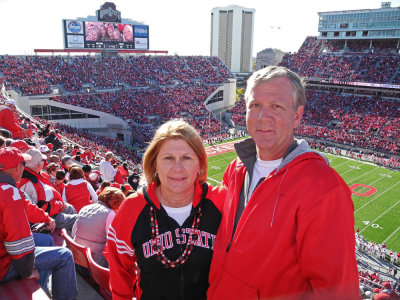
[381, 23]
[232, 30]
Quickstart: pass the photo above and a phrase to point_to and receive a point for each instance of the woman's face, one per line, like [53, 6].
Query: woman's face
[110, 30]
[177, 166]
[117, 35]
[128, 35]
[102, 31]
[91, 34]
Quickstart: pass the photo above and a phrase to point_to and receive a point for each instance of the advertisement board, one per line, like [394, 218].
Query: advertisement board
[75, 41]
[141, 31]
[141, 43]
[74, 27]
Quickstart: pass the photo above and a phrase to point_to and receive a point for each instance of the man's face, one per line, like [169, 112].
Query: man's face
[271, 118]
[19, 170]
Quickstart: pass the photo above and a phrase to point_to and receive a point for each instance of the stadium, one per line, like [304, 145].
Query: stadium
[101, 93]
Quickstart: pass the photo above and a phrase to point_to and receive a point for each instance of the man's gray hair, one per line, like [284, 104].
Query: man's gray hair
[65, 159]
[273, 72]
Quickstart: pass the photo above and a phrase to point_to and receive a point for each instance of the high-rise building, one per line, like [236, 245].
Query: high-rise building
[232, 31]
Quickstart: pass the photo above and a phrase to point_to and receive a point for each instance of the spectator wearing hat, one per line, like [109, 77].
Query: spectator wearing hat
[45, 150]
[107, 170]
[78, 192]
[94, 181]
[9, 120]
[43, 193]
[387, 292]
[18, 255]
[21, 146]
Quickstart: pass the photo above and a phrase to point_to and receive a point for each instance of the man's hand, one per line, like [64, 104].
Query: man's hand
[35, 275]
[51, 225]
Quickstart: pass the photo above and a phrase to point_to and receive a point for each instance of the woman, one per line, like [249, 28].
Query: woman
[52, 169]
[90, 229]
[168, 228]
[78, 192]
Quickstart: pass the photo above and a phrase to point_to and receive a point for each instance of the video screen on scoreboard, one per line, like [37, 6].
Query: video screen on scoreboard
[108, 35]
[95, 35]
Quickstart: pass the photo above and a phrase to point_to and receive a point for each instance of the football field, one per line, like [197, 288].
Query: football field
[376, 195]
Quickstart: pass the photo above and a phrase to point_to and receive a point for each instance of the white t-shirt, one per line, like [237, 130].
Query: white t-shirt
[179, 214]
[262, 168]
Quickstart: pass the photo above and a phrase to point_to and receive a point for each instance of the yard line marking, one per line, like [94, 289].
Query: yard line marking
[209, 178]
[391, 234]
[390, 208]
[345, 161]
[347, 171]
[354, 179]
[376, 197]
[380, 178]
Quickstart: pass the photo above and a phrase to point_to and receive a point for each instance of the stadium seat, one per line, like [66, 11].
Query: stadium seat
[79, 251]
[100, 275]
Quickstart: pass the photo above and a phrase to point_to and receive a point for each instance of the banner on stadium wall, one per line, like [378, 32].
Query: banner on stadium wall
[74, 27]
[365, 84]
[141, 31]
[75, 41]
[141, 43]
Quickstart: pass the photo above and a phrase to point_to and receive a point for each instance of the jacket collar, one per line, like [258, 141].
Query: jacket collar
[4, 178]
[247, 152]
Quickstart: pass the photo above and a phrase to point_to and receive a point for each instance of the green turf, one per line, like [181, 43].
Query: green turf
[377, 216]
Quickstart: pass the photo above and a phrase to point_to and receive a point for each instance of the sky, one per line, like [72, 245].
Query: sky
[179, 26]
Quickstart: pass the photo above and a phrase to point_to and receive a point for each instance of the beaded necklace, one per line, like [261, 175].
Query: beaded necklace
[157, 247]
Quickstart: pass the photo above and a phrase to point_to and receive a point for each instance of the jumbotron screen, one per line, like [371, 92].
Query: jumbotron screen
[96, 35]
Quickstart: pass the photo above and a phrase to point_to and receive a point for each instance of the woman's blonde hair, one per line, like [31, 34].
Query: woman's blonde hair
[175, 129]
[112, 196]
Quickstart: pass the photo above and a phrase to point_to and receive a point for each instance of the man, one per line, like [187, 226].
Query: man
[18, 255]
[287, 230]
[43, 193]
[107, 170]
[9, 121]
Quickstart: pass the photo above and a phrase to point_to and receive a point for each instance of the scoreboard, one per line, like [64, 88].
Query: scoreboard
[105, 33]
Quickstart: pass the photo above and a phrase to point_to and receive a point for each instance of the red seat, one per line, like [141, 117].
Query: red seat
[78, 251]
[100, 275]
[22, 289]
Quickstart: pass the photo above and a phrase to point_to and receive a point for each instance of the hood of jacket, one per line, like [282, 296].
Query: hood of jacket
[247, 152]
[4, 178]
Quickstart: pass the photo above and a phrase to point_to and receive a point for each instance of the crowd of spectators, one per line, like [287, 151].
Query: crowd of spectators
[319, 59]
[33, 75]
